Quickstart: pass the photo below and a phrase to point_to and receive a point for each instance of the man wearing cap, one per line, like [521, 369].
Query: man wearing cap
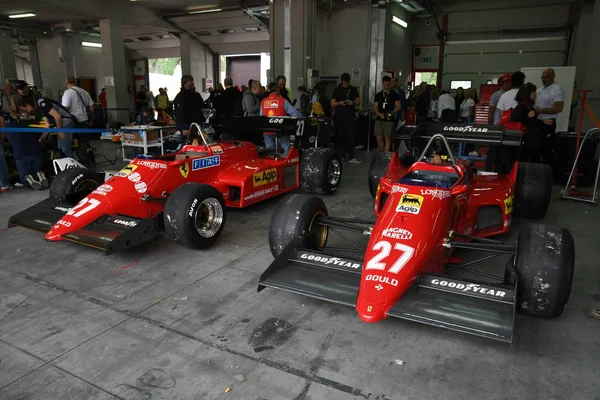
[494, 115]
[275, 105]
[21, 93]
[548, 104]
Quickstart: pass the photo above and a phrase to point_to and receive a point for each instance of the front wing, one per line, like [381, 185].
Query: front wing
[107, 233]
[427, 302]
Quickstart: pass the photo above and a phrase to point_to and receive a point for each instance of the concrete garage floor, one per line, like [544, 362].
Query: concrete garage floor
[164, 322]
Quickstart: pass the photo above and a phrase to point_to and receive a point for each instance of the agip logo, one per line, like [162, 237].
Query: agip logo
[410, 203]
[265, 177]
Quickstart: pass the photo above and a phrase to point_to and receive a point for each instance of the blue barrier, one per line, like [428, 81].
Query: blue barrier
[52, 130]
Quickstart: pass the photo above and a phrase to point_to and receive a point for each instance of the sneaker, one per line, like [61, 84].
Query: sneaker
[33, 183]
[354, 161]
[19, 185]
[43, 180]
[5, 189]
[593, 313]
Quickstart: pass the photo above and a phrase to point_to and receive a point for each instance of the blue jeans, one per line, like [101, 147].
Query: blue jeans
[66, 146]
[28, 166]
[4, 176]
[284, 142]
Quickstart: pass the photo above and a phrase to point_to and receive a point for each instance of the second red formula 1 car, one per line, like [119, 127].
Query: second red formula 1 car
[184, 194]
[425, 211]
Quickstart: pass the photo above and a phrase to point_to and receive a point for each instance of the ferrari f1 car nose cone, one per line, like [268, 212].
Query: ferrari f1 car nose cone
[369, 312]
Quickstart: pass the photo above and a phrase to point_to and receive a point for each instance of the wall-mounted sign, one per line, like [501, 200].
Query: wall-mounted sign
[426, 57]
[109, 81]
[355, 74]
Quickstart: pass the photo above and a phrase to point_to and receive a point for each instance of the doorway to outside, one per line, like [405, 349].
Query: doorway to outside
[165, 73]
[243, 67]
[430, 78]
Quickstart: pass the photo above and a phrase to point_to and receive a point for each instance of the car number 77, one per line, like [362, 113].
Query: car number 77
[385, 248]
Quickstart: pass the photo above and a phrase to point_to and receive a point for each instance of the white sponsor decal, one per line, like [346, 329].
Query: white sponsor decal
[397, 233]
[141, 187]
[103, 189]
[466, 128]
[63, 223]
[399, 189]
[191, 213]
[63, 209]
[276, 120]
[330, 260]
[382, 279]
[469, 287]
[151, 164]
[293, 160]
[129, 224]
[78, 177]
[135, 177]
[261, 193]
[408, 209]
[437, 193]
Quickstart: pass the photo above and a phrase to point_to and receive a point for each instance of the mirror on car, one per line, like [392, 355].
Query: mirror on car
[458, 189]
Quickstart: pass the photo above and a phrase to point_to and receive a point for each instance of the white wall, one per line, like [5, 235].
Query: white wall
[166, 52]
[52, 69]
[24, 70]
[398, 49]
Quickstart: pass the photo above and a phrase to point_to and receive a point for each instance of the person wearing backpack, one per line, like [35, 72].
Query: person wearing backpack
[55, 114]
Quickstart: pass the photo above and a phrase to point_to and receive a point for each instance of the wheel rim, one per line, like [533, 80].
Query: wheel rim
[208, 217]
[321, 231]
[334, 171]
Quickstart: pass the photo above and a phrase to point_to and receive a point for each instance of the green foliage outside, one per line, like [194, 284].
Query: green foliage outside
[163, 66]
[429, 77]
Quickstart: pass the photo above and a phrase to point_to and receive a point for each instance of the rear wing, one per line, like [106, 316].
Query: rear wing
[488, 134]
[252, 128]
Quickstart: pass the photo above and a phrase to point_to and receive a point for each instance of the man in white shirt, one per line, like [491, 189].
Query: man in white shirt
[78, 101]
[494, 115]
[507, 100]
[446, 102]
[548, 104]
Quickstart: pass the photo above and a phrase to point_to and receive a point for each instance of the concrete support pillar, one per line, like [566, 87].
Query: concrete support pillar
[377, 51]
[196, 60]
[8, 68]
[186, 59]
[590, 68]
[292, 41]
[35, 64]
[115, 68]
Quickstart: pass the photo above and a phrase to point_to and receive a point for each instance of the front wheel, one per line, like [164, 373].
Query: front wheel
[295, 216]
[533, 190]
[320, 171]
[72, 185]
[544, 263]
[194, 215]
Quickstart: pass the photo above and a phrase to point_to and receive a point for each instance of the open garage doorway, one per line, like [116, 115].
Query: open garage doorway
[243, 67]
[165, 73]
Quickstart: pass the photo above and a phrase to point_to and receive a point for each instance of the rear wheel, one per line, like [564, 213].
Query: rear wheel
[320, 170]
[72, 185]
[533, 190]
[194, 215]
[379, 166]
[295, 216]
[544, 262]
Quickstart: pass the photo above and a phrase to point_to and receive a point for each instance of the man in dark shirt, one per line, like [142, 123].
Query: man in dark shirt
[344, 101]
[188, 105]
[387, 103]
[141, 100]
[231, 105]
[283, 91]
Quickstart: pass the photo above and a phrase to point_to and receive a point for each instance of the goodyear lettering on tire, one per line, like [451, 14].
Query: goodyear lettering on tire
[410, 203]
[265, 177]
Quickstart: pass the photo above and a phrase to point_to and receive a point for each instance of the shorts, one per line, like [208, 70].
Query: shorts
[384, 128]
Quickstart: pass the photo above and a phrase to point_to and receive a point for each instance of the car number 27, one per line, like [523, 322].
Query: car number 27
[385, 248]
[79, 210]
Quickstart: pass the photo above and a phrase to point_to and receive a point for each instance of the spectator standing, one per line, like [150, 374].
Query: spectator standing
[423, 102]
[5, 100]
[321, 108]
[524, 112]
[150, 97]
[460, 97]
[102, 99]
[433, 106]
[141, 99]
[250, 100]
[494, 115]
[549, 103]
[508, 99]
[231, 105]
[79, 103]
[304, 101]
[400, 91]
[344, 102]
[188, 105]
[285, 92]
[162, 100]
[446, 107]
[276, 105]
[387, 104]
[467, 107]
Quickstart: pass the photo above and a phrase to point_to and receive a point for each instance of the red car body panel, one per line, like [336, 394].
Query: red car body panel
[224, 165]
[413, 223]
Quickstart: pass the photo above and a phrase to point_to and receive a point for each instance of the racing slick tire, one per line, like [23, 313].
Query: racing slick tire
[194, 215]
[320, 170]
[73, 184]
[378, 167]
[533, 190]
[293, 217]
[544, 262]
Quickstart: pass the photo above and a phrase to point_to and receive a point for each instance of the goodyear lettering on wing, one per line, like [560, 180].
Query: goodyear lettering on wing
[410, 203]
[206, 162]
[469, 287]
[265, 177]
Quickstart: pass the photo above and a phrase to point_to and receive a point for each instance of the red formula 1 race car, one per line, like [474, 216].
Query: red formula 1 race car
[425, 211]
[184, 194]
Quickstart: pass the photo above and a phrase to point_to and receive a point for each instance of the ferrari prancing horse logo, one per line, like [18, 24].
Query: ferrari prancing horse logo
[184, 169]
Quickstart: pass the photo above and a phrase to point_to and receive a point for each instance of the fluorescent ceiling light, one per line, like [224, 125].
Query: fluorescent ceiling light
[400, 22]
[22, 15]
[205, 11]
[91, 44]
